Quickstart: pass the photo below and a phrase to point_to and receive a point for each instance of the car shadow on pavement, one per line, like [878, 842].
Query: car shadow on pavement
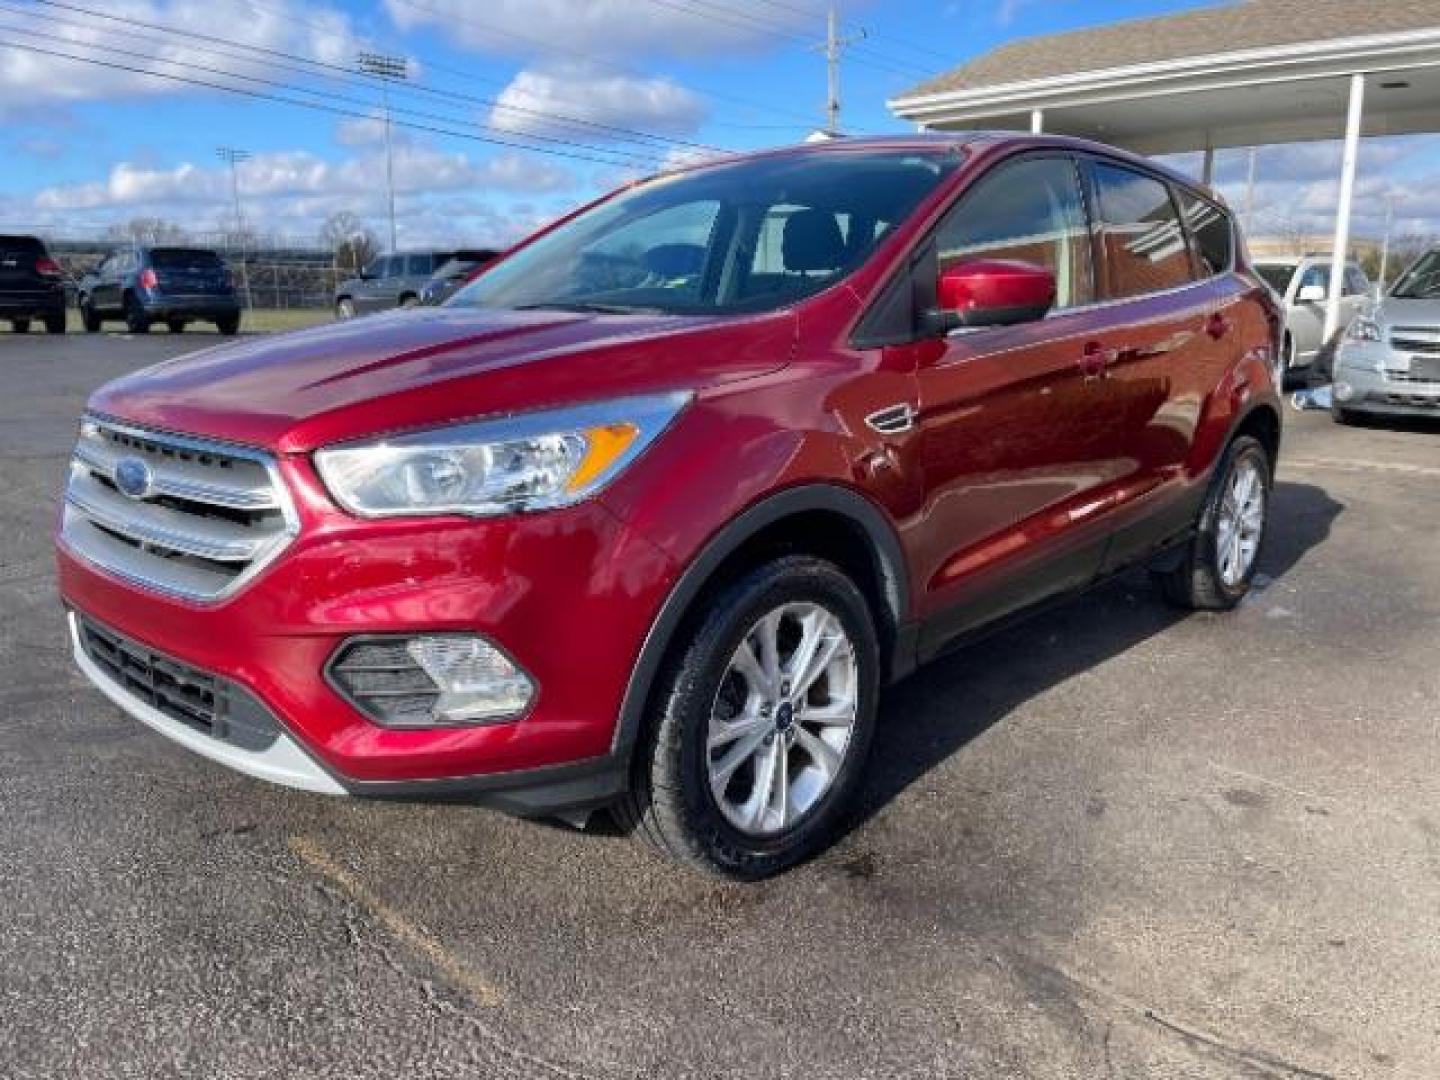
[934, 714]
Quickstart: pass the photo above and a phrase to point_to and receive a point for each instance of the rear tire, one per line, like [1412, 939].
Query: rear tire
[20, 326]
[176, 326]
[752, 756]
[135, 319]
[229, 327]
[88, 318]
[55, 323]
[1219, 563]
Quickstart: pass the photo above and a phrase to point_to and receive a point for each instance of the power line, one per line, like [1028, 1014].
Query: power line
[587, 57]
[333, 110]
[334, 71]
[623, 158]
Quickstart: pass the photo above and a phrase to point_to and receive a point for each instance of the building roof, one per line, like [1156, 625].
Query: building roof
[1246, 25]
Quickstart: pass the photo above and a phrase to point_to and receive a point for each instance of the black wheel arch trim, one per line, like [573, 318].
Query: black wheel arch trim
[833, 498]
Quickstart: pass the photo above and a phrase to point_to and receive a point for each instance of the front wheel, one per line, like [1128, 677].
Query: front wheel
[20, 326]
[55, 323]
[88, 318]
[229, 326]
[1218, 567]
[761, 724]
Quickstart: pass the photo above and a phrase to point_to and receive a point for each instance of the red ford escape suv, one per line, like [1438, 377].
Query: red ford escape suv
[648, 515]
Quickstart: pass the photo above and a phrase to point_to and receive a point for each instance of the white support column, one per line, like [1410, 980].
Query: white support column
[1037, 121]
[1338, 258]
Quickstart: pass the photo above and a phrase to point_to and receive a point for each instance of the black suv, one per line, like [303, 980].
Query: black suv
[32, 285]
[171, 285]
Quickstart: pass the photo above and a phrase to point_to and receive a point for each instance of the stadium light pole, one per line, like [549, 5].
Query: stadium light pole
[234, 156]
[387, 69]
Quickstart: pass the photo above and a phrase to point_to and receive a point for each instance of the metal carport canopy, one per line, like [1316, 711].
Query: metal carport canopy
[1255, 73]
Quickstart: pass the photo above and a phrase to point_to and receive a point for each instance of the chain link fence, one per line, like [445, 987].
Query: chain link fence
[270, 272]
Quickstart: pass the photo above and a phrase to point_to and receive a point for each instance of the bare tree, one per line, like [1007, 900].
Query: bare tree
[350, 239]
[148, 230]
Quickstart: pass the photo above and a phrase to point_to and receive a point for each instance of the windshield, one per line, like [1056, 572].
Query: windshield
[1421, 281]
[743, 237]
[1276, 275]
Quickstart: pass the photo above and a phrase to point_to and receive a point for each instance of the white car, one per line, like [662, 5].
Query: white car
[1303, 284]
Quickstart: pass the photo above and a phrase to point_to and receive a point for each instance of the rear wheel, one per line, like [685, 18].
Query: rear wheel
[229, 326]
[177, 326]
[88, 318]
[761, 724]
[1219, 564]
[135, 319]
[20, 326]
[55, 322]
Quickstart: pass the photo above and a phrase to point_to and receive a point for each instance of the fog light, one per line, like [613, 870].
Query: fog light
[431, 681]
[1344, 391]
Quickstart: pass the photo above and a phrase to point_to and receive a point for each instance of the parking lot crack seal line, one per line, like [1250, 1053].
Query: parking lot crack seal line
[407, 932]
[1246, 1056]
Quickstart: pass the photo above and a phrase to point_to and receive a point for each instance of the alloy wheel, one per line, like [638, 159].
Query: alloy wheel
[1240, 523]
[782, 719]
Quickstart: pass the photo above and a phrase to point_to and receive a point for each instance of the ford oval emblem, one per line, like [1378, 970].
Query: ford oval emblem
[133, 477]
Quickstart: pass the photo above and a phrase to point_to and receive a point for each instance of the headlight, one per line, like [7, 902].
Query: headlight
[1363, 328]
[530, 462]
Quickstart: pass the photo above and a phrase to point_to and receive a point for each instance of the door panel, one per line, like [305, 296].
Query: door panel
[1019, 441]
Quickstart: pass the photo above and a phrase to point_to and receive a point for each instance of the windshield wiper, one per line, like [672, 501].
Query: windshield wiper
[589, 308]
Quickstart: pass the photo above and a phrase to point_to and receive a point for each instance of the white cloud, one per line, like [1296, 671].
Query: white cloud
[534, 99]
[610, 28]
[315, 31]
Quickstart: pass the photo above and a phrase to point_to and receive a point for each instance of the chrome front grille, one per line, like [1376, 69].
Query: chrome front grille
[1416, 339]
[180, 515]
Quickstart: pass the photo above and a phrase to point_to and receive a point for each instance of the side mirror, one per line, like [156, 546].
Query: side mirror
[1311, 294]
[992, 292]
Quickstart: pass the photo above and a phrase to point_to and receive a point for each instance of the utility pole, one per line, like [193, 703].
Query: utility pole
[1385, 243]
[833, 47]
[1250, 194]
[235, 156]
[387, 69]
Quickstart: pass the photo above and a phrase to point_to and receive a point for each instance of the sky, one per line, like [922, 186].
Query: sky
[513, 112]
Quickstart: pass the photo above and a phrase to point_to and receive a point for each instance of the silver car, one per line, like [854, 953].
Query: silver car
[1303, 285]
[1388, 362]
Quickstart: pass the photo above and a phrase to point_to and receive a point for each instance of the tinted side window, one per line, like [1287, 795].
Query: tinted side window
[1028, 210]
[1210, 232]
[1355, 281]
[419, 265]
[1140, 236]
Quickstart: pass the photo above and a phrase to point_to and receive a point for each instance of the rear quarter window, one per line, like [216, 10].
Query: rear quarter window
[1212, 234]
[183, 259]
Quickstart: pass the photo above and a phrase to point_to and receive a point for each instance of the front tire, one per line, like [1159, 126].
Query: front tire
[88, 318]
[230, 326]
[55, 323]
[20, 326]
[1218, 566]
[760, 725]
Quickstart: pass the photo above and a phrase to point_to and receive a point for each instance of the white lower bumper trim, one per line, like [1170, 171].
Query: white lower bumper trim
[282, 763]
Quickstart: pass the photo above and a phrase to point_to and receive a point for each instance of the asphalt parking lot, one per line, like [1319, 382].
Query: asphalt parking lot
[1114, 842]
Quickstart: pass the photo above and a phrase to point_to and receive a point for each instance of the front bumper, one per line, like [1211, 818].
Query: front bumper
[1372, 377]
[571, 594]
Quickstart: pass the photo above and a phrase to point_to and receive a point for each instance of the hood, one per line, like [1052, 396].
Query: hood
[1395, 311]
[433, 366]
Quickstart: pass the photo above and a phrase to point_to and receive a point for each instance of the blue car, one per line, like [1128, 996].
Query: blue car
[171, 285]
